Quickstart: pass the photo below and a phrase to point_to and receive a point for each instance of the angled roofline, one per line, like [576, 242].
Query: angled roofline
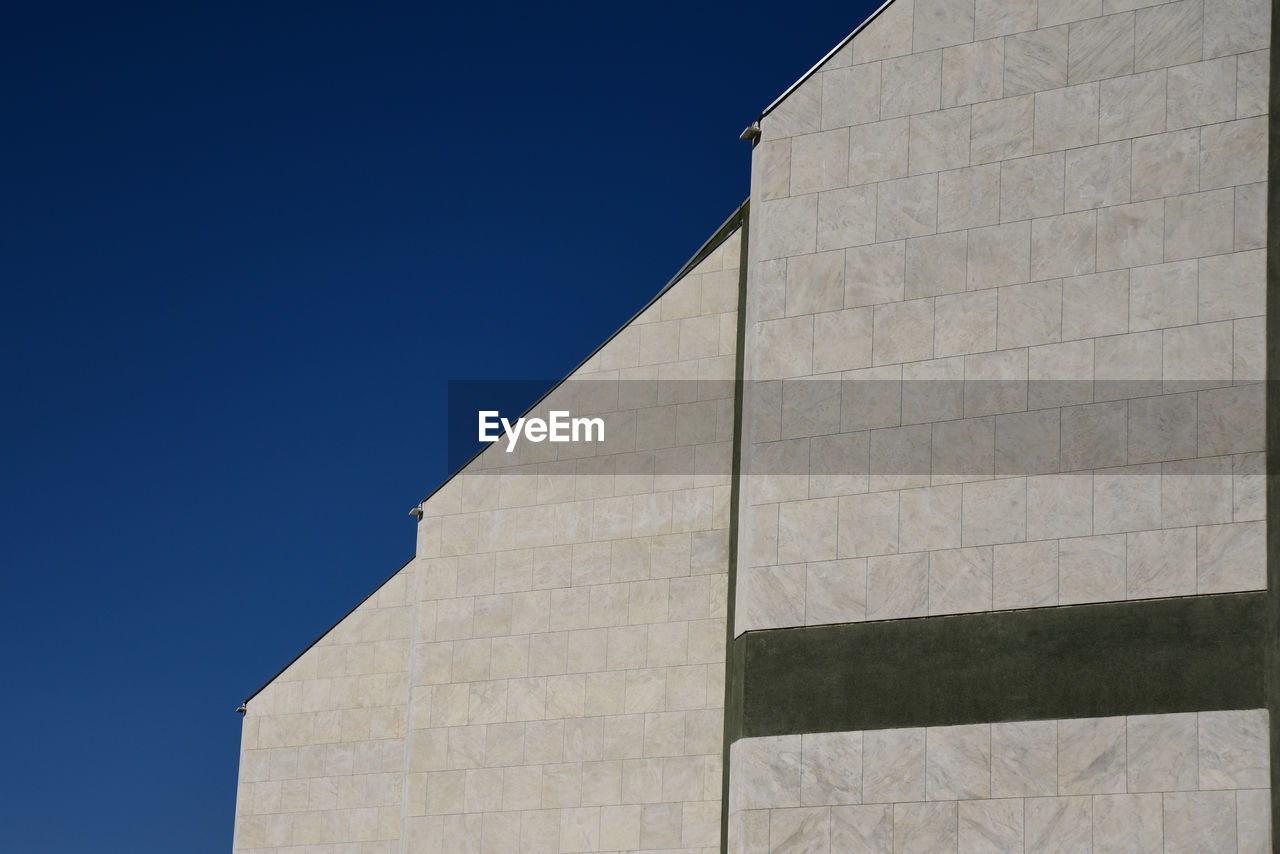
[821, 62]
[728, 227]
[323, 635]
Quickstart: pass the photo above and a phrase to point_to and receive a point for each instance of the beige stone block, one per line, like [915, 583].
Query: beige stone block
[1035, 61]
[995, 511]
[964, 323]
[871, 398]
[933, 390]
[1092, 569]
[1066, 118]
[1059, 824]
[888, 35]
[969, 197]
[1233, 153]
[1126, 499]
[842, 340]
[964, 449]
[899, 457]
[1024, 759]
[1128, 823]
[911, 84]
[839, 464]
[819, 161]
[926, 827]
[1162, 753]
[1199, 821]
[1003, 17]
[903, 331]
[1131, 235]
[784, 348]
[958, 762]
[789, 227]
[774, 597]
[1166, 164]
[907, 207]
[1162, 295]
[1248, 488]
[1253, 821]
[1199, 224]
[1060, 374]
[851, 95]
[1249, 358]
[831, 768]
[1133, 106]
[1054, 12]
[1031, 187]
[807, 530]
[1059, 505]
[995, 383]
[836, 591]
[1100, 48]
[893, 765]
[815, 283]
[1098, 176]
[1027, 442]
[1233, 749]
[1168, 34]
[868, 524]
[765, 773]
[766, 300]
[935, 264]
[771, 167]
[929, 518]
[1002, 130]
[1025, 575]
[1251, 217]
[1252, 83]
[1231, 557]
[972, 72]
[846, 217]
[878, 151]
[1198, 356]
[1091, 756]
[875, 274]
[1127, 365]
[939, 140]
[939, 23]
[1235, 26]
[999, 255]
[799, 113]
[1095, 305]
[1162, 428]
[1202, 93]
[1231, 286]
[1161, 563]
[1063, 245]
[897, 586]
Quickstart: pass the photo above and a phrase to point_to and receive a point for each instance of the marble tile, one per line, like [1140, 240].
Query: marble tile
[1235, 26]
[1025, 575]
[1003, 17]
[1100, 47]
[1233, 153]
[773, 597]
[903, 332]
[1133, 106]
[805, 830]
[969, 197]
[1091, 756]
[939, 23]
[1230, 420]
[960, 580]
[1195, 822]
[1162, 295]
[1195, 492]
[1162, 753]
[1024, 759]
[1252, 82]
[1169, 34]
[1231, 557]
[875, 274]
[1201, 93]
[924, 828]
[972, 72]
[995, 382]
[787, 227]
[936, 264]
[846, 217]
[1251, 217]
[893, 765]
[868, 524]
[1035, 61]
[907, 207]
[878, 151]
[929, 518]
[1126, 499]
[991, 827]
[851, 96]
[1003, 129]
[898, 586]
[1027, 443]
[958, 762]
[1162, 428]
[819, 161]
[1095, 305]
[999, 255]
[1060, 374]
[1128, 824]
[1098, 176]
[1059, 505]
[1131, 235]
[1092, 569]
[1032, 187]
[1031, 314]
[1059, 824]
[965, 323]
[963, 450]
[1199, 224]
[836, 591]
[1231, 286]
[994, 511]
[1166, 164]
[1253, 821]
[938, 141]
[1234, 750]
[765, 773]
[831, 768]
[862, 828]
[911, 84]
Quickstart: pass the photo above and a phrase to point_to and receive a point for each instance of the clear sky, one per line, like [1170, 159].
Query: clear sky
[243, 249]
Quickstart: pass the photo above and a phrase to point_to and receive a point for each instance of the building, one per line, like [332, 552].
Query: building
[934, 516]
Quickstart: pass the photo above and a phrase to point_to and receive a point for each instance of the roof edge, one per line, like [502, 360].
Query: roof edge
[727, 228]
[812, 71]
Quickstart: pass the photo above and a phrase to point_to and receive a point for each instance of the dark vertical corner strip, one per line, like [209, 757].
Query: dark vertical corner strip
[1272, 659]
[732, 671]
[1160, 656]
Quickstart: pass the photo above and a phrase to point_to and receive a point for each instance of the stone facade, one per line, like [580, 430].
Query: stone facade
[1003, 325]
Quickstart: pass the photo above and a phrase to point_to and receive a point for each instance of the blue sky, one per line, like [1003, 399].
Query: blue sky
[243, 249]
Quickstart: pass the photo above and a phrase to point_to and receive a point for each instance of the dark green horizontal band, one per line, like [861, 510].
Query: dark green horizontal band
[1198, 653]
